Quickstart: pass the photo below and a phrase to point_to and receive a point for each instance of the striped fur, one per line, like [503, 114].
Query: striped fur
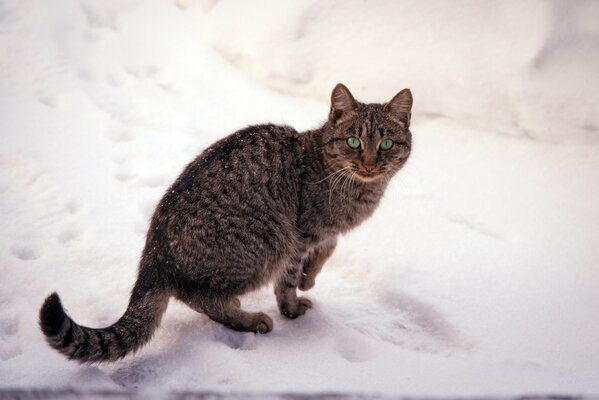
[88, 345]
[264, 204]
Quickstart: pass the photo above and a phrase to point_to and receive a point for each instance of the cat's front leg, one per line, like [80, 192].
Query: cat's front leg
[312, 264]
[289, 304]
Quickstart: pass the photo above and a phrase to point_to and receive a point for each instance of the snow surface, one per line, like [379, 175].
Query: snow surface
[479, 273]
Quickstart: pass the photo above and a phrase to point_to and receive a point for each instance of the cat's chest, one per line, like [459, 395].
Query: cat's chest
[329, 213]
[348, 211]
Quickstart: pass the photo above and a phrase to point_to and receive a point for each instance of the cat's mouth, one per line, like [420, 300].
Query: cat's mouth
[368, 176]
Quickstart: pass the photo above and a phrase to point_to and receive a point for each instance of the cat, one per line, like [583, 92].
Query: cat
[263, 204]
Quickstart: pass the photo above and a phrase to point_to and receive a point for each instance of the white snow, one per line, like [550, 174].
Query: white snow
[479, 273]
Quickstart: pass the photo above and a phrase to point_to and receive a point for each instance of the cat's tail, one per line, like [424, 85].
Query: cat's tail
[88, 345]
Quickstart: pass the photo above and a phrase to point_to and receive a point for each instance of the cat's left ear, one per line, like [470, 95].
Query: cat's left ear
[399, 108]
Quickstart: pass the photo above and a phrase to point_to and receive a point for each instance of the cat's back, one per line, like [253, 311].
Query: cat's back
[250, 173]
[253, 156]
[233, 207]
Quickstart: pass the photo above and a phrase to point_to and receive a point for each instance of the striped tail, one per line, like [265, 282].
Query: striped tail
[88, 345]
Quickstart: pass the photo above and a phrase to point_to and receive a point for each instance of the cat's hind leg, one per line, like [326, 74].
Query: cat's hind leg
[289, 304]
[313, 262]
[229, 313]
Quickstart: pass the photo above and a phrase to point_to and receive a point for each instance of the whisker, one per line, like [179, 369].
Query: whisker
[353, 180]
[326, 177]
[334, 182]
[344, 185]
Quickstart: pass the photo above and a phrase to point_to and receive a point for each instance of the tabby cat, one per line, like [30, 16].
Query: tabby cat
[263, 204]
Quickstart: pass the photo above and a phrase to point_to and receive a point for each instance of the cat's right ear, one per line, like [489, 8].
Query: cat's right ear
[342, 103]
[399, 108]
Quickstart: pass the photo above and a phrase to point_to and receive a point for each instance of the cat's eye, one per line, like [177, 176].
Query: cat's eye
[353, 142]
[386, 144]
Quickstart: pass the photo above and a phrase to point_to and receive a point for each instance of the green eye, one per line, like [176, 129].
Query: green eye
[386, 144]
[353, 142]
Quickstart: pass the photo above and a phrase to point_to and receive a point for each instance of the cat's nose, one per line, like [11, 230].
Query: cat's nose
[369, 167]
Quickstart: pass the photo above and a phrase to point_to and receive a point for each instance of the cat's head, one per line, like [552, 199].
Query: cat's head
[371, 141]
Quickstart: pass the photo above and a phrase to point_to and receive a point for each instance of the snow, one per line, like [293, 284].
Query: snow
[478, 274]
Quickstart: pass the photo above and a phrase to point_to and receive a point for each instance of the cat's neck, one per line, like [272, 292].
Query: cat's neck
[313, 159]
[330, 203]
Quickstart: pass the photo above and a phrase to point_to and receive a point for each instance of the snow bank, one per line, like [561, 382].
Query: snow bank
[525, 69]
[478, 273]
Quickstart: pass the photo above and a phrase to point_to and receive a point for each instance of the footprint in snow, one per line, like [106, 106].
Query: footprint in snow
[9, 331]
[72, 206]
[120, 159]
[99, 16]
[48, 100]
[403, 320]
[25, 252]
[115, 79]
[354, 351]
[124, 175]
[68, 235]
[385, 313]
[233, 339]
[155, 75]
[123, 171]
[133, 375]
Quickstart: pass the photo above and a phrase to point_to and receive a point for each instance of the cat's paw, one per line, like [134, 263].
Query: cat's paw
[261, 323]
[306, 283]
[293, 311]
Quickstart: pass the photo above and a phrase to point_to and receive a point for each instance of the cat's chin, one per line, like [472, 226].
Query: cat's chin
[368, 178]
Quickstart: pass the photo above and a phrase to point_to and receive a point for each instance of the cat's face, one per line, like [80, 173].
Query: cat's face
[369, 141]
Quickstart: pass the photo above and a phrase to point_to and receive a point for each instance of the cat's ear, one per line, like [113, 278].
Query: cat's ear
[342, 102]
[399, 108]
